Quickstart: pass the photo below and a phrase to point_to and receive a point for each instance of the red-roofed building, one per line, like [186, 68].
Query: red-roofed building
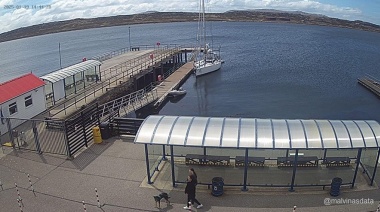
[22, 97]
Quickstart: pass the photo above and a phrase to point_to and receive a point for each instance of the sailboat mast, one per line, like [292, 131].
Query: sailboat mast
[204, 28]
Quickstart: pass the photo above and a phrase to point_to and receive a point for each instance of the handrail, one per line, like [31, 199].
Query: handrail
[145, 62]
[111, 54]
[108, 110]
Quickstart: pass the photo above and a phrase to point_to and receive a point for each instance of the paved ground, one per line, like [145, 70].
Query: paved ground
[117, 169]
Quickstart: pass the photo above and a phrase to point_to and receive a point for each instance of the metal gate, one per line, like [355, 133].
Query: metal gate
[42, 136]
[79, 128]
[126, 126]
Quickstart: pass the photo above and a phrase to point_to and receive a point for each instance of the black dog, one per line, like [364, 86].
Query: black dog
[161, 196]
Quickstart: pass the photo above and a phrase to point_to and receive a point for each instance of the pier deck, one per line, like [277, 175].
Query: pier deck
[371, 84]
[173, 82]
[142, 98]
[113, 71]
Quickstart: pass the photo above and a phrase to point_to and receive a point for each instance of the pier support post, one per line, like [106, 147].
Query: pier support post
[185, 55]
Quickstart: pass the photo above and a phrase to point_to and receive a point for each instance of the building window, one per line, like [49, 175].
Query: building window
[13, 108]
[28, 101]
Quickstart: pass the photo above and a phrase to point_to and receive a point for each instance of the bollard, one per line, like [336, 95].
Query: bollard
[18, 193]
[19, 204]
[1, 185]
[30, 182]
[84, 206]
[294, 208]
[97, 198]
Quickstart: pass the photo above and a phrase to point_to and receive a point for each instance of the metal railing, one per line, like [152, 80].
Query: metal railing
[128, 103]
[111, 54]
[113, 77]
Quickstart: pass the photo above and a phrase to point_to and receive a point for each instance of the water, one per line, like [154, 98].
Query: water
[270, 70]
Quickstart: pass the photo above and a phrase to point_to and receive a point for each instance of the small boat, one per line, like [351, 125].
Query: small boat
[178, 92]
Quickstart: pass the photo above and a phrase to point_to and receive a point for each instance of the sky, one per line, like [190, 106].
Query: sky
[21, 13]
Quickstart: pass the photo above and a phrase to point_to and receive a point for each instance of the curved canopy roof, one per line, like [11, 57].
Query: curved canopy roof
[259, 133]
[70, 71]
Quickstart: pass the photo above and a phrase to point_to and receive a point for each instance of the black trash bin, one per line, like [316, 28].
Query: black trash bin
[335, 186]
[217, 186]
[105, 130]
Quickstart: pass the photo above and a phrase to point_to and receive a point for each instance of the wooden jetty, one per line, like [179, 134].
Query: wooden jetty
[371, 84]
[141, 98]
[173, 82]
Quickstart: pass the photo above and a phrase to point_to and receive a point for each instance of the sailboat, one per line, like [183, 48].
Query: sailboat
[207, 60]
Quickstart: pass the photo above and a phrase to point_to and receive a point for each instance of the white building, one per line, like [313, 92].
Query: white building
[22, 98]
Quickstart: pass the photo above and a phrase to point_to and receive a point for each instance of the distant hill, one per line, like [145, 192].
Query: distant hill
[296, 17]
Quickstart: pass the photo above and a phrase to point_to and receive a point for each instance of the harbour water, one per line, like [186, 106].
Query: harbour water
[271, 70]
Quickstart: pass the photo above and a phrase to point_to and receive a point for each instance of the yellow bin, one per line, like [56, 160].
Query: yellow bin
[97, 135]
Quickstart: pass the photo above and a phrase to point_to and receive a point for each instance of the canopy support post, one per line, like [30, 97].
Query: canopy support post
[147, 163]
[357, 167]
[245, 171]
[291, 189]
[172, 165]
[374, 171]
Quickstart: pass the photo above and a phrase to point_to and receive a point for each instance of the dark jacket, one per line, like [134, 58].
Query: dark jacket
[190, 186]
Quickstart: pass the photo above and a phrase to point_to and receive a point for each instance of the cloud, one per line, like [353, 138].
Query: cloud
[70, 9]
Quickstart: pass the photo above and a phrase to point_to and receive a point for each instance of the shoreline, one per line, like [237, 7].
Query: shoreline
[173, 17]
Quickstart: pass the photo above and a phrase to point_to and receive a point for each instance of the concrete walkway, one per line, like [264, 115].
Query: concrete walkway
[117, 169]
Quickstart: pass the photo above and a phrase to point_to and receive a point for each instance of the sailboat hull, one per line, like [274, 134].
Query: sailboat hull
[208, 67]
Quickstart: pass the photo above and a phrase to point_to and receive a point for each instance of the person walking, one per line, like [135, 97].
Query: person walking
[190, 191]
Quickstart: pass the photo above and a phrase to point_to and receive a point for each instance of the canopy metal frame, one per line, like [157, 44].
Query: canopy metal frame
[245, 133]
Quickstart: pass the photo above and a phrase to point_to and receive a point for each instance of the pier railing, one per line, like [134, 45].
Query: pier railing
[111, 78]
[114, 53]
[128, 103]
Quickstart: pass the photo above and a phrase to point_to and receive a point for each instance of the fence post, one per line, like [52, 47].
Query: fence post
[9, 125]
[97, 198]
[84, 206]
[83, 128]
[68, 153]
[30, 182]
[18, 193]
[35, 134]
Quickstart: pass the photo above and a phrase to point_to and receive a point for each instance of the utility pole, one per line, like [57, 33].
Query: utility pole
[60, 60]
[129, 32]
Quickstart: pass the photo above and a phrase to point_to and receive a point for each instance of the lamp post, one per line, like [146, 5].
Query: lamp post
[129, 38]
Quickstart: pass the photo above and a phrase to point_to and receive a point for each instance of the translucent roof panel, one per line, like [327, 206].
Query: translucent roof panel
[355, 134]
[264, 133]
[163, 129]
[344, 140]
[313, 136]
[230, 133]
[196, 131]
[368, 135]
[247, 133]
[179, 131]
[328, 134]
[213, 132]
[281, 134]
[70, 71]
[258, 133]
[297, 134]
